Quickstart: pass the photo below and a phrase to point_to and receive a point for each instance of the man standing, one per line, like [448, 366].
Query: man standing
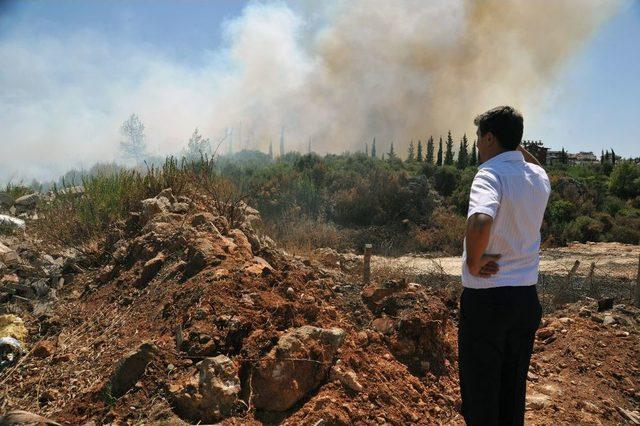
[499, 306]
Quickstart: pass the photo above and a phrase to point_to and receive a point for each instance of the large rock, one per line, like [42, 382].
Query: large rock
[25, 418]
[152, 207]
[298, 363]
[327, 256]
[374, 294]
[8, 256]
[129, 370]
[212, 394]
[28, 201]
[150, 269]
[11, 222]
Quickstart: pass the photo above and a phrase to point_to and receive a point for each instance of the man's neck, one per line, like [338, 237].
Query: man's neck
[494, 154]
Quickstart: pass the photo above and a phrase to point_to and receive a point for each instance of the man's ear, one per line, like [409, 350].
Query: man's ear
[490, 138]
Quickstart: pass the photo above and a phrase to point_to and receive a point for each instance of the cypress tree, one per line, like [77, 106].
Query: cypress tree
[392, 153]
[448, 155]
[430, 150]
[613, 157]
[439, 160]
[474, 156]
[564, 158]
[419, 155]
[602, 157]
[463, 153]
[282, 142]
[271, 150]
[366, 149]
[373, 148]
[411, 152]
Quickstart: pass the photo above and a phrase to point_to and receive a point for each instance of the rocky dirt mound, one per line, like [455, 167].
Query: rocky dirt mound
[586, 366]
[186, 317]
[183, 317]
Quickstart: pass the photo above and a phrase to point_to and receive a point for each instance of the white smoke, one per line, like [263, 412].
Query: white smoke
[337, 74]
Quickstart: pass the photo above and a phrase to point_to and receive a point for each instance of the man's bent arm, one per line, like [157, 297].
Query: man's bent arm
[528, 157]
[477, 240]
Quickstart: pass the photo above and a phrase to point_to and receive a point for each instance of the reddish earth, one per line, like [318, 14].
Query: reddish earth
[197, 287]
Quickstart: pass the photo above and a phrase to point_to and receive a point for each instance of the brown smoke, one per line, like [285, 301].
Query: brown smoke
[336, 73]
[402, 70]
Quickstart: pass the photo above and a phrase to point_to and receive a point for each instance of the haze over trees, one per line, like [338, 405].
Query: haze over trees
[133, 145]
[197, 146]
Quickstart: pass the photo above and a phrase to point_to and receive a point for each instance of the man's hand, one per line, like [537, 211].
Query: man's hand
[485, 267]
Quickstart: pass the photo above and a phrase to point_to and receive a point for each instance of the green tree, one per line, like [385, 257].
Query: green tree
[373, 148]
[430, 150]
[392, 153]
[133, 146]
[197, 146]
[419, 154]
[625, 180]
[271, 150]
[448, 155]
[439, 160]
[411, 152]
[463, 153]
[564, 157]
[282, 142]
[474, 156]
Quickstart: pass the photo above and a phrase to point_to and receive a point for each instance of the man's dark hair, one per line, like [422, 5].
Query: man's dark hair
[505, 123]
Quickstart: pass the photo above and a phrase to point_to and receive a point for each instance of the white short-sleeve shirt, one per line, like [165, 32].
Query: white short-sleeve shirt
[515, 194]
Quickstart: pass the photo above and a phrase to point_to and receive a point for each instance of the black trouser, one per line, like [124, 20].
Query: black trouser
[495, 340]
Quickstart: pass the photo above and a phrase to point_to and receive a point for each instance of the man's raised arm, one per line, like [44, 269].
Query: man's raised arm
[528, 157]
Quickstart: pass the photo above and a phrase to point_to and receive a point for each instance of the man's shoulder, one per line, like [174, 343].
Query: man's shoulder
[539, 171]
[489, 172]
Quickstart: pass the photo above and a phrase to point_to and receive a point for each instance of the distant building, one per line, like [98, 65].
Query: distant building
[584, 158]
[548, 157]
[554, 157]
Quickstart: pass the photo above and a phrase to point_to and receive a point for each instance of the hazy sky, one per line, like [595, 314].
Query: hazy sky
[71, 71]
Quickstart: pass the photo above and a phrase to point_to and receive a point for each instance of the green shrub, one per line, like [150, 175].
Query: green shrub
[625, 180]
[583, 229]
[561, 211]
[613, 205]
[625, 230]
[445, 180]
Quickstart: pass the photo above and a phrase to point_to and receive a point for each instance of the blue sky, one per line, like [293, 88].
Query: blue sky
[598, 101]
[70, 71]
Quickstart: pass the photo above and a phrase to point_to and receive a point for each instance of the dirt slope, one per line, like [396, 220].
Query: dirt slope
[221, 311]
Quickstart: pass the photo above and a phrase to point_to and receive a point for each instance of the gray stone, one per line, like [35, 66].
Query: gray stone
[25, 418]
[153, 206]
[12, 222]
[28, 201]
[129, 370]
[212, 395]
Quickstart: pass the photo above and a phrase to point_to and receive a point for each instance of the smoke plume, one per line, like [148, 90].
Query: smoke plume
[336, 75]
